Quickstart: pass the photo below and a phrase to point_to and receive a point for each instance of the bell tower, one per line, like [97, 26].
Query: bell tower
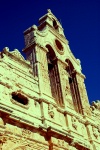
[59, 75]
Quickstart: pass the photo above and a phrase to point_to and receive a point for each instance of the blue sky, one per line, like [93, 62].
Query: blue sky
[80, 20]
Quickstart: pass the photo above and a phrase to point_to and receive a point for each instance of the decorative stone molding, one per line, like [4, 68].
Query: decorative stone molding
[95, 132]
[6, 49]
[74, 122]
[51, 110]
[95, 105]
[17, 54]
[26, 133]
[62, 143]
[59, 143]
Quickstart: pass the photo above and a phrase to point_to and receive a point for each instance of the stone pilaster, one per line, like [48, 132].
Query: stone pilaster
[42, 66]
[83, 94]
[64, 80]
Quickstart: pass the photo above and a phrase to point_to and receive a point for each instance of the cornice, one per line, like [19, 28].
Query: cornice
[57, 35]
[15, 56]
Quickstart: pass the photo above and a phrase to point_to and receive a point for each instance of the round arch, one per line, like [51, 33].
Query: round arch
[74, 87]
[54, 76]
[51, 51]
[70, 64]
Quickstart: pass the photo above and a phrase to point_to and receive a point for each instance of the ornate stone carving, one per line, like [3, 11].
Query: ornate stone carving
[17, 54]
[6, 49]
[51, 110]
[95, 132]
[74, 123]
[45, 124]
[26, 133]
[59, 143]
[62, 143]
[96, 105]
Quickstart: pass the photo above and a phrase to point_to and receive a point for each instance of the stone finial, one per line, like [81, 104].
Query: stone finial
[16, 49]
[49, 10]
[79, 61]
[17, 54]
[6, 49]
[34, 27]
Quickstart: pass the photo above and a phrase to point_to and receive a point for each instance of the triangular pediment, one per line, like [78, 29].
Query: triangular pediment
[17, 54]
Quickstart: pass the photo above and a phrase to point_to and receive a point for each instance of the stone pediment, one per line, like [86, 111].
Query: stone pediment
[17, 54]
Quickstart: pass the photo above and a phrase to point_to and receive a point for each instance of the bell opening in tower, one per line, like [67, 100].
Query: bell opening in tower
[53, 73]
[74, 87]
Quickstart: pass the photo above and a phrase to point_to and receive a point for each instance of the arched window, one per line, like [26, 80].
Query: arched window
[74, 87]
[54, 75]
[55, 25]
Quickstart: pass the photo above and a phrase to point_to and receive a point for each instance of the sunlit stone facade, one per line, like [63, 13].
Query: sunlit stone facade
[43, 99]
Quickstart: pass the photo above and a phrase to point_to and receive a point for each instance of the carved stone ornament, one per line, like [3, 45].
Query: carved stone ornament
[74, 122]
[17, 54]
[95, 132]
[6, 49]
[62, 143]
[26, 133]
[51, 110]
[59, 143]
[95, 105]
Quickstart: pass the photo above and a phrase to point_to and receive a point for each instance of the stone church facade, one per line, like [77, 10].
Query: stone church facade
[43, 99]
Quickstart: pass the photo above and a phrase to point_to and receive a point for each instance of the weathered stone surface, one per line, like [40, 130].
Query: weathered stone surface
[43, 100]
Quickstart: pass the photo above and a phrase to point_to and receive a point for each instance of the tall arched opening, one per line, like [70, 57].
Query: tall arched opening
[54, 75]
[74, 87]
